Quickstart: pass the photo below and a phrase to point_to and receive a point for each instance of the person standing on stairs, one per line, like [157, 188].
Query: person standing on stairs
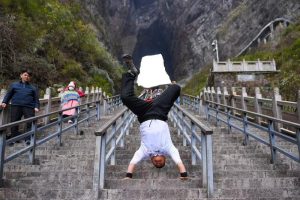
[24, 102]
[156, 141]
[70, 98]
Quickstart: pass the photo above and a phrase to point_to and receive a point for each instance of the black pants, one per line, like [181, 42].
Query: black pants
[158, 109]
[17, 112]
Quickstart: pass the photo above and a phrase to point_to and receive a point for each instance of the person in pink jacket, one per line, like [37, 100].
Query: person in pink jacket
[70, 98]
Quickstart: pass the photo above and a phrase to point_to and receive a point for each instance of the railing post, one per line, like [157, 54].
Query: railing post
[243, 101]
[272, 141]
[183, 130]
[193, 143]
[104, 104]
[76, 120]
[212, 94]
[2, 94]
[228, 113]
[93, 93]
[97, 94]
[100, 95]
[277, 109]
[258, 104]
[87, 96]
[179, 114]
[124, 117]
[233, 104]
[218, 106]
[113, 144]
[98, 109]
[200, 103]
[224, 97]
[48, 104]
[298, 108]
[298, 140]
[205, 98]
[3, 112]
[99, 161]
[218, 95]
[100, 98]
[209, 168]
[59, 129]
[204, 161]
[33, 142]
[245, 129]
[2, 155]
[88, 114]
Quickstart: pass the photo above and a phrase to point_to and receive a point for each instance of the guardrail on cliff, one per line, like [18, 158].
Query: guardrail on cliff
[265, 32]
[50, 104]
[110, 135]
[280, 119]
[238, 98]
[199, 137]
[40, 134]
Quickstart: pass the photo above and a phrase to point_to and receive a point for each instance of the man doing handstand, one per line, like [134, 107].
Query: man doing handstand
[156, 141]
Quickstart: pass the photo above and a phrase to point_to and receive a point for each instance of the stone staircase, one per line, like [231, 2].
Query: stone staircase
[149, 182]
[61, 172]
[240, 172]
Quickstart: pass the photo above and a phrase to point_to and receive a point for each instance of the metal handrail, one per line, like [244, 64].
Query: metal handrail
[269, 128]
[191, 102]
[200, 142]
[112, 103]
[119, 127]
[34, 142]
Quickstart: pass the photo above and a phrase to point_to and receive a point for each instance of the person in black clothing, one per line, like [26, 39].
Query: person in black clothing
[156, 141]
[24, 101]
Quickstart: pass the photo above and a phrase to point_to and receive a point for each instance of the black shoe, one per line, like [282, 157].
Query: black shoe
[129, 64]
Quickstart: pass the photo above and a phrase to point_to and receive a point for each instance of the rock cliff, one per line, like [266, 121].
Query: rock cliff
[183, 30]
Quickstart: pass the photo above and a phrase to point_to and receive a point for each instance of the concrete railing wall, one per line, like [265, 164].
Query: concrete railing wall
[244, 66]
[275, 107]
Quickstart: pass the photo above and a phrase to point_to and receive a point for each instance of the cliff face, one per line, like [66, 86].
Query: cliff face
[183, 30]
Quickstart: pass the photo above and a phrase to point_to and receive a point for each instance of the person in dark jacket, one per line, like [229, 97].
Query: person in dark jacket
[24, 101]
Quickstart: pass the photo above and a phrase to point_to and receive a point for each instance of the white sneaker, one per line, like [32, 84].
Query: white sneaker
[70, 121]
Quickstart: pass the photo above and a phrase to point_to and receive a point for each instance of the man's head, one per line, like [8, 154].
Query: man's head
[158, 161]
[25, 75]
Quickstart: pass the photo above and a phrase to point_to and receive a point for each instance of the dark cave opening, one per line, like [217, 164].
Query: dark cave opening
[155, 40]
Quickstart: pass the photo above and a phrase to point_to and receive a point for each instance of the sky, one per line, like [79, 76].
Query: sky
[152, 72]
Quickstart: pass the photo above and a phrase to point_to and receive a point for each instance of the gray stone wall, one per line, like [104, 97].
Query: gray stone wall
[242, 79]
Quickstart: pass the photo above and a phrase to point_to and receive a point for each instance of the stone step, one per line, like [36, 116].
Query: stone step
[152, 174]
[148, 167]
[47, 175]
[265, 182]
[50, 168]
[239, 174]
[257, 193]
[248, 167]
[135, 194]
[46, 193]
[51, 181]
[160, 183]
